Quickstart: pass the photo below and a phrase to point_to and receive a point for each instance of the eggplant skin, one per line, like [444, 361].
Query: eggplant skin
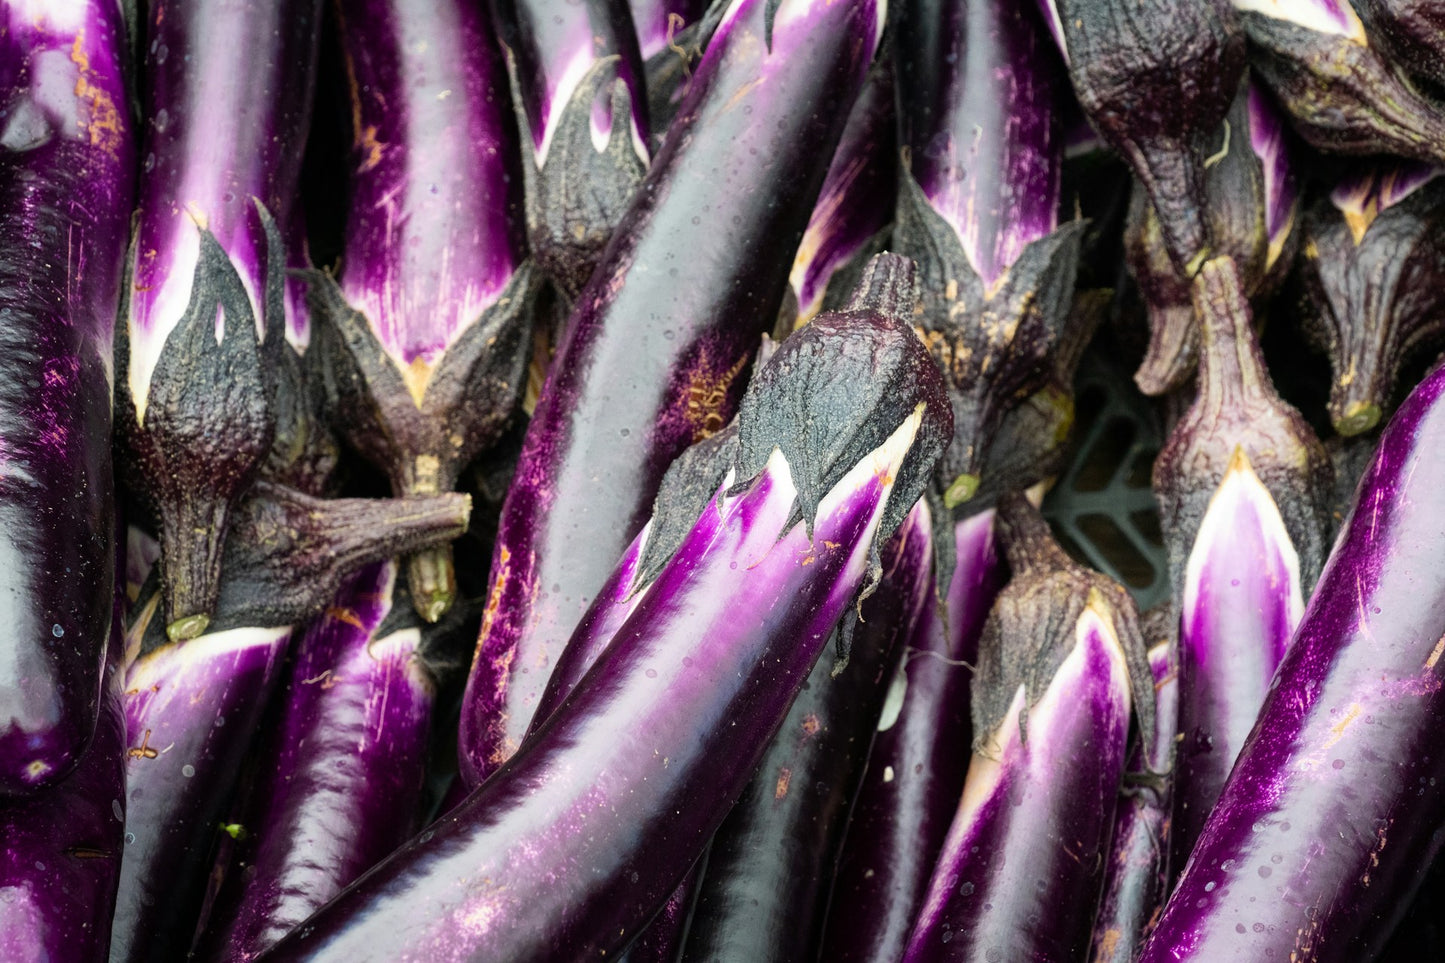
[66, 183]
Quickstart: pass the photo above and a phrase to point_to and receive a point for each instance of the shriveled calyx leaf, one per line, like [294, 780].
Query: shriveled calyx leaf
[1034, 625]
[687, 487]
[1374, 269]
[1237, 412]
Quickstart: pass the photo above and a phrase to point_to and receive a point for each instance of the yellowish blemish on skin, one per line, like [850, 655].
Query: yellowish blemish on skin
[342, 614]
[785, 776]
[1435, 654]
[706, 391]
[494, 599]
[1337, 731]
[144, 750]
[102, 126]
[811, 725]
[37, 769]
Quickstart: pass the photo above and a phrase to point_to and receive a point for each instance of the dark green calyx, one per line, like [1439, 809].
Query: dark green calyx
[305, 452]
[1034, 625]
[687, 487]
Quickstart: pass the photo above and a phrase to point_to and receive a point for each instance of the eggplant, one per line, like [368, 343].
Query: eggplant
[579, 86]
[425, 338]
[341, 774]
[1373, 258]
[1252, 202]
[60, 860]
[228, 102]
[1245, 491]
[659, 341]
[625, 778]
[1342, 91]
[1331, 813]
[66, 185]
[917, 764]
[1155, 80]
[1411, 32]
[771, 863]
[1136, 879]
[1060, 662]
[978, 207]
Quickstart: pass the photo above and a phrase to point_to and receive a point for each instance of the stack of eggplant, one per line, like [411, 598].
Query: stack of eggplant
[524, 480]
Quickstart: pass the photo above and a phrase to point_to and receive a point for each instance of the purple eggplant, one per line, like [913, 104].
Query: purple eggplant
[66, 162]
[1331, 814]
[659, 342]
[1252, 201]
[1412, 33]
[1155, 79]
[1341, 89]
[837, 435]
[1136, 879]
[917, 765]
[770, 865]
[228, 101]
[60, 859]
[978, 208]
[1244, 491]
[1060, 662]
[578, 81]
[341, 775]
[426, 337]
[1374, 259]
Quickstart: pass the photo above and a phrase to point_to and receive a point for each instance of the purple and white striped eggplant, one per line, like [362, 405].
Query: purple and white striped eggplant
[578, 81]
[426, 337]
[658, 343]
[1155, 79]
[917, 765]
[1060, 662]
[228, 101]
[1244, 490]
[66, 182]
[1411, 32]
[1332, 812]
[633, 773]
[1374, 263]
[1341, 89]
[1252, 202]
[1136, 879]
[341, 775]
[771, 863]
[978, 209]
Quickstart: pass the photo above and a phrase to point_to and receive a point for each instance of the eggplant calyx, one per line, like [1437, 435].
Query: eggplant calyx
[688, 485]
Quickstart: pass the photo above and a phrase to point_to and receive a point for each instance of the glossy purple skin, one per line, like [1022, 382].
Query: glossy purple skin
[570, 849]
[342, 777]
[1136, 879]
[66, 183]
[211, 146]
[656, 20]
[60, 856]
[1020, 873]
[191, 711]
[662, 940]
[431, 238]
[1321, 830]
[659, 340]
[771, 864]
[978, 91]
[1268, 138]
[916, 768]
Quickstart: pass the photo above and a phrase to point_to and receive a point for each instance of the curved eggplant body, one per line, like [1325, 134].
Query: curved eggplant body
[1329, 815]
[66, 183]
[659, 340]
[916, 767]
[342, 775]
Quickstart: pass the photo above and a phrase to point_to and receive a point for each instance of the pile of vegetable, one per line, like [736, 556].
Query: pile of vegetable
[524, 480]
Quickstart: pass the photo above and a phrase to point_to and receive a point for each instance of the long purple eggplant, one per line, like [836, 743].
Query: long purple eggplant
[771, 863]
[633, 773]
[1373, 266]
[66, 182]
[427, 336]
[342, 773]
[578, 81]
[227, 100]
[1331, 814]
[1060, 663]
[1244, 491]
[917, 765]
[1155, 79]
[658, 343]
[61, 850]
[978, 209]
[1341, 89]
[1412, 33]
[1136, 879]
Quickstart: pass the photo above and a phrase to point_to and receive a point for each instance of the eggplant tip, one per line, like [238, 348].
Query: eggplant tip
[1358, 418]
[963, 488]
[433, 582]
[187, 627]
